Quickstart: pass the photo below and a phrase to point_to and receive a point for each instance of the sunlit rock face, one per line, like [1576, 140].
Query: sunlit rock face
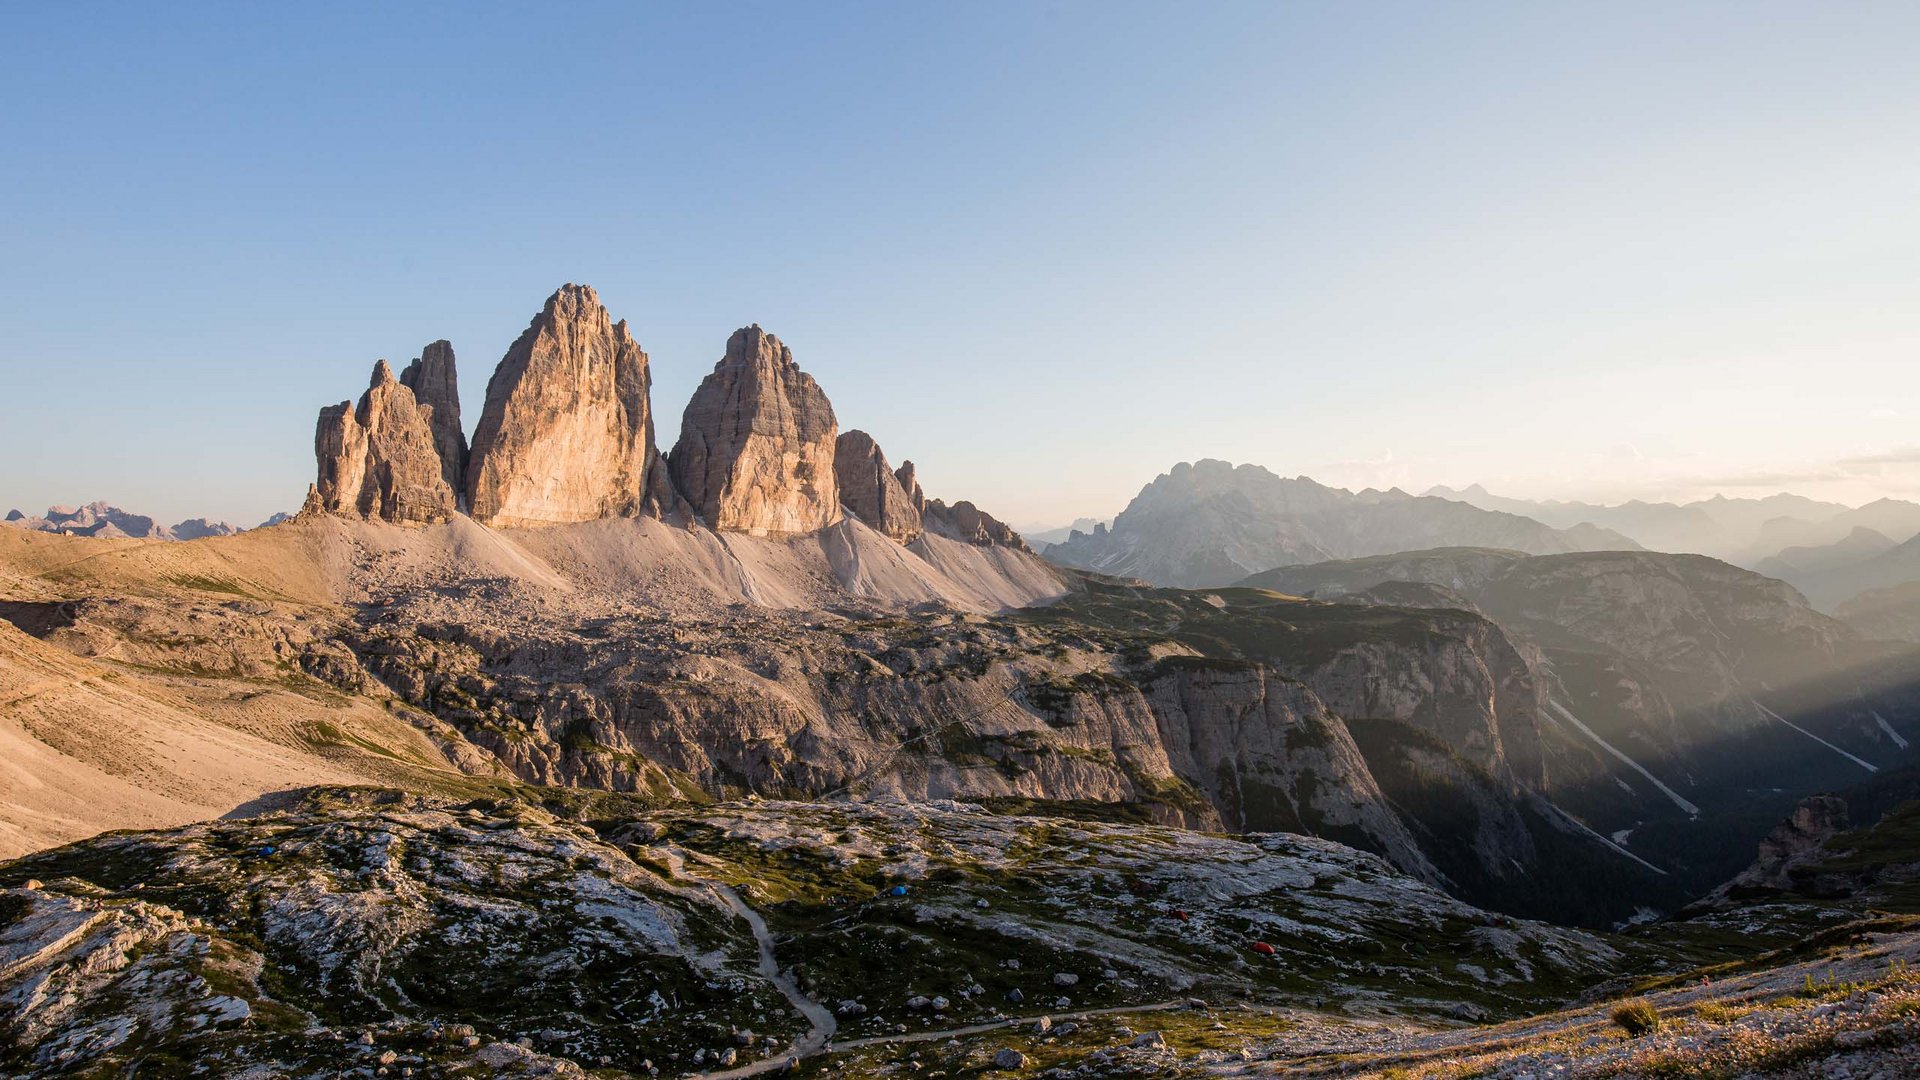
[756, 449]
[567, 430]
[379, 459]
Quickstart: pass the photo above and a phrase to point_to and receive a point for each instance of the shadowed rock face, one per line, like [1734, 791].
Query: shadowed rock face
[379, 460]
[870, 491]
[434, 383]
[756, 447]
[567, 431]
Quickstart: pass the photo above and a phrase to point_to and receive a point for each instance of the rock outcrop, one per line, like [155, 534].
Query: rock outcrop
[567, 430]
[434, 383]
[379, 459]
[962, 521]
[870, 491]
[756, 448]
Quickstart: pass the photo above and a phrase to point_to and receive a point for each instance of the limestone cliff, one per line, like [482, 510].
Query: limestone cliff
[757, 442]
[870, 491]
[435, 384]
[567, 430]
[379, 459]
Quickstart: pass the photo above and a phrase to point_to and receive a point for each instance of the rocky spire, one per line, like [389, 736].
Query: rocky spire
[567, 431]
[869, 490]
[434, 383]
[757, 443]
[910, 484]
[379, 460]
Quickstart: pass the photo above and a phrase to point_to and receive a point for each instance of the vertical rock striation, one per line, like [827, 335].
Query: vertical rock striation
[756, 446]
[869, 489]
[434, 383]
[380, 459]
[567, 431]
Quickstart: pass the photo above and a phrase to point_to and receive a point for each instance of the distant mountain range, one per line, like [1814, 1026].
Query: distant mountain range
[1211, 523]
[101, 519]
[1741, 531]
[1039, 536]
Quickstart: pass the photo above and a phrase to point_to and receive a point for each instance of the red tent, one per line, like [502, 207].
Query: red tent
[1263, 948]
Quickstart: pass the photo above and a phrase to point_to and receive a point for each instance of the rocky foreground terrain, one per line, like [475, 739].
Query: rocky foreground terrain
[537, 932]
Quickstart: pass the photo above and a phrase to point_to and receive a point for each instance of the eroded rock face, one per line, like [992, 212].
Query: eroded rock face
[756, 449]
[870, 491]
[434, 383]
[567, 430]
[379, 459]
[962, 521]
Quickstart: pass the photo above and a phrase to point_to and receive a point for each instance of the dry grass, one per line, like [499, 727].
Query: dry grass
[1636, 1017]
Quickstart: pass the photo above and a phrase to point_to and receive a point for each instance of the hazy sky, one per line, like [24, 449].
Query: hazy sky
[1044, 250]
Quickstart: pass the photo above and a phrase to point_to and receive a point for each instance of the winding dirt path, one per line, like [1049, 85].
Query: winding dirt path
[818, 1015]
[995, 1025]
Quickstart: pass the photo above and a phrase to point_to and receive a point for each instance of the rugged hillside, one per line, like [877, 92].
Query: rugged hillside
[634, 655]
[1794, 564]
[1210, 523]
[368, 929]
[1711, 692]
[1889, 614]
[1835, 583]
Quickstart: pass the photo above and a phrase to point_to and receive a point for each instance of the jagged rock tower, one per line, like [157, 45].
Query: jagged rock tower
[756, 444]
[567, 430]
[380, 459]
[567, 435]
[434, 383]
[870, 491]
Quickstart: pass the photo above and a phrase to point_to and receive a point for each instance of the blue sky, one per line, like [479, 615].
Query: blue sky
[1044, 250]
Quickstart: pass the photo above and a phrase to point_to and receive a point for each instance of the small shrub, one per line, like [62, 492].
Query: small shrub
[1713, 1012]
[1637, 1017]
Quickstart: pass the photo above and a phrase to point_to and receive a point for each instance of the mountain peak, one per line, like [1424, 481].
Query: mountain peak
[756, 447]
[567, 431]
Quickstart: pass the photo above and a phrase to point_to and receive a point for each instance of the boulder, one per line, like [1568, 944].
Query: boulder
[378, 459]
[756, 444]
[567, 431]
[870, 491]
